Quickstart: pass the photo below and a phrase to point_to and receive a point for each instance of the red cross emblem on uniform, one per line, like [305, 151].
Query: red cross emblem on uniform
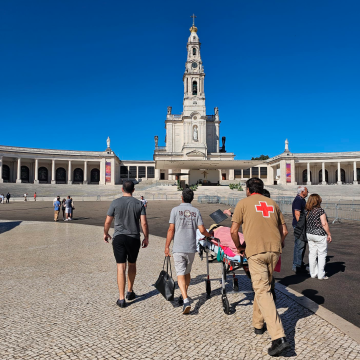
[264, 208]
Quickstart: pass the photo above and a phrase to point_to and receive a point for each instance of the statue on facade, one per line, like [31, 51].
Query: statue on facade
[108, 142]
[156, 138]
[169, 108]
[195, 133]
[223, 139]
[216, 113]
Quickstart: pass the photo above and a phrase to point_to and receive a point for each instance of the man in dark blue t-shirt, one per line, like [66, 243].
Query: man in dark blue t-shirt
[298, 207]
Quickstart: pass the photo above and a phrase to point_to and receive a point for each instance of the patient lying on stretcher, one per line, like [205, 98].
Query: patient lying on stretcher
[226, 242]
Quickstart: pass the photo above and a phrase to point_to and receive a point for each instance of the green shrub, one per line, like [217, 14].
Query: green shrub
[235, 187]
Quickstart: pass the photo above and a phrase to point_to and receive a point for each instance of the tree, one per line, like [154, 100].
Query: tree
[261, 157]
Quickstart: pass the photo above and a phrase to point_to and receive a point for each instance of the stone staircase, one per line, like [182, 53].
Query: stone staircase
[77, 192]
[167, 191]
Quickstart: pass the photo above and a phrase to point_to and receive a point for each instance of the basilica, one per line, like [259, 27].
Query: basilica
[194, 152]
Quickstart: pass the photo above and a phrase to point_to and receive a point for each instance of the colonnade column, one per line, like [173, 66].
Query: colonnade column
[339, 175]
[1, 167]
[69, 173]
[355, 174]
[231, 174]
[250, 172]
[157, 174]
[85, 173]
[308, 174]
[53, 181]
[293, 175]
[18, 174]
[323, 180]
[36, 179]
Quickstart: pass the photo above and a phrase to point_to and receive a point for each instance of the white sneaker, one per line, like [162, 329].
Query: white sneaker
[324, 278]
[65, 219]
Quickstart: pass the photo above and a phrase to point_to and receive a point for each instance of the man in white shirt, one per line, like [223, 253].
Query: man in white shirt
[144, 202]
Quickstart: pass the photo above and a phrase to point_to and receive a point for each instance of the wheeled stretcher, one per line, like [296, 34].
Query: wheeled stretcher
[214, 251]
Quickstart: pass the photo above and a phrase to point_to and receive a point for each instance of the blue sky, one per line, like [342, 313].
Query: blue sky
[75, 72]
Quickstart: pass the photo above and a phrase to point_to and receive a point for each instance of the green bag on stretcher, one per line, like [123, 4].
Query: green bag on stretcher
[220, 255]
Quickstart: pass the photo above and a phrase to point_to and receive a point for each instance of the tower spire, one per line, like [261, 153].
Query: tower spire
[193, 28]
[193, 16]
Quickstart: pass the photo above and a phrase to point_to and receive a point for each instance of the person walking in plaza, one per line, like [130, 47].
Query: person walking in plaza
[318, 235]
[262, 224]
[63, 207]
[126, 212]
[8, 196]
[35, 196]
[298, 209]
[185, 219]
[68, 209]
[25, 197]
[57, 206]
[72, 209]
[144, 202]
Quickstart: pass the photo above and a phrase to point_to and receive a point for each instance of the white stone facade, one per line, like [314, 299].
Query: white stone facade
[193, 134]
[29, 165]
[314, 168]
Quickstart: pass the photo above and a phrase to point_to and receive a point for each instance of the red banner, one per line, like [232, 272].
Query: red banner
[108, 172]
[288, 173]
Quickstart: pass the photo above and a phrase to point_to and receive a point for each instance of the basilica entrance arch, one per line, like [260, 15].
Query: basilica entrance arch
[60, 175]
[342, 174]
[305, 176]
[6, 173]
[78, 175]
[95, 176]
[43, 175]
[25, 174]
[326, 176]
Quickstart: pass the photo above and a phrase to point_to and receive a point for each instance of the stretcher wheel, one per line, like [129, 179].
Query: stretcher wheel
[226, 306]
[236, 284]
[208, 287]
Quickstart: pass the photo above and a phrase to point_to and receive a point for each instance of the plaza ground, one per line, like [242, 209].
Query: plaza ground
[58, 302]
[343, 253]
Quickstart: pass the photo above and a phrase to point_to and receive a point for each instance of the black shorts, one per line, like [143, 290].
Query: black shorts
[126, 248]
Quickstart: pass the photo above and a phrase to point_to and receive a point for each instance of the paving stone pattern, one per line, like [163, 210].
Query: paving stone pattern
[58, 299]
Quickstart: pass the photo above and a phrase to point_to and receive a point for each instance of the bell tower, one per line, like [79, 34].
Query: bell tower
[194, 94]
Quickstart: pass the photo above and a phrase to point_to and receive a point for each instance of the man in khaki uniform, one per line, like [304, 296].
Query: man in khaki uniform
[264, 231]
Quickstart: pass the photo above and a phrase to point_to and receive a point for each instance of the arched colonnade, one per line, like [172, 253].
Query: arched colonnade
[49, 171]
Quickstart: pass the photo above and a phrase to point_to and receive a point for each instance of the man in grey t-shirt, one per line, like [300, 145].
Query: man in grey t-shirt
[126, 213]
[68, 205]
[184, 221]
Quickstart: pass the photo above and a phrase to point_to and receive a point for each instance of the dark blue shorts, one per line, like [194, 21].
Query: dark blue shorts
[126, 248]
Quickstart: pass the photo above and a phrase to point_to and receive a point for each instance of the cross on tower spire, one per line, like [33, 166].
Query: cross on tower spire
[193, 16]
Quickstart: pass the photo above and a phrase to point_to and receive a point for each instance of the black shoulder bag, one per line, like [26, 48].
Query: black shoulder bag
[300, 228]
[165, 283]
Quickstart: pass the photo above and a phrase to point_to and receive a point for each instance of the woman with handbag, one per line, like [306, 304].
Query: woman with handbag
[318, 235]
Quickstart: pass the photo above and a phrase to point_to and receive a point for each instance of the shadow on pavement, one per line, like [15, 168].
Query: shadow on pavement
[143, 297]
[7, 226]
[293, 279]
[289, 320]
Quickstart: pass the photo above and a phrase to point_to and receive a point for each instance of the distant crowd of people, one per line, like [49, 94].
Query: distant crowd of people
[67, 207]
[5, 198]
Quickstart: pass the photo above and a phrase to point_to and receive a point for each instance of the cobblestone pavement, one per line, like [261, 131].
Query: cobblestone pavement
[58, 299]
